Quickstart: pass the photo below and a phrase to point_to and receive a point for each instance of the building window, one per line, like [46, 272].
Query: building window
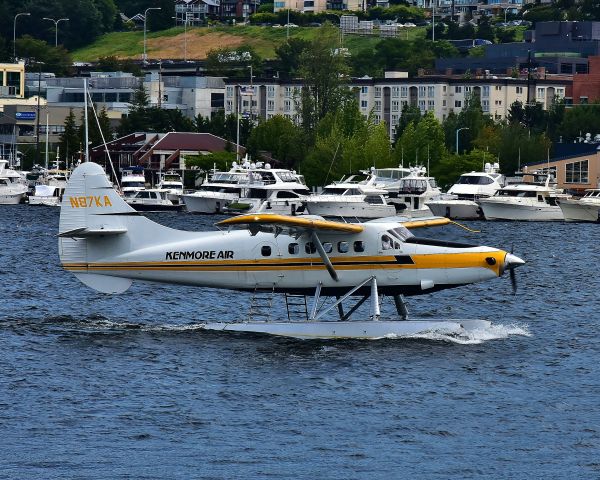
[498, 88]
[467, 89]
[443, 103]
[430, 104]
[288, 91]
[270, 91]
[457, 104]
[404, 92]
[498, 103]
[404, 103]
[576, 172]
[229, 105]
[230, 91]
[431, 91]
[377, 92]
[364, 90]
[270, 105]
[485, 105]
[583, 100]
[444, 89]
[395, 106]
[395, 92]
[541, 92]
[457, 89]
[363, 104]
[377, 119]
[519, 90]
[422, 105]
[560, 92]
[287, 105]
[394, 120]
[378, 105]
[485, 91]
[422, 91]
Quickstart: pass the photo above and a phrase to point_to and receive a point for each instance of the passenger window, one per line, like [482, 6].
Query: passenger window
[540, 198]
[359, 246]
[265, 251]
[328, 247]
[343, 247]
[293, 248]
[310, 247]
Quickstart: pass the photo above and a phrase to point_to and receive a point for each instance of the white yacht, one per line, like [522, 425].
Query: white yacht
[217, 192]
[461, 200]
[271, 190]
[46, 195]
[151, 200]
[132, 180]
[356, 196]
[411, 193]
[13, 188]
[172, 182]
[533, 201]
[585, 209]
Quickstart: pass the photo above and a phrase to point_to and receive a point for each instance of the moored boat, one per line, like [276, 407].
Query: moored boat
[585, 209]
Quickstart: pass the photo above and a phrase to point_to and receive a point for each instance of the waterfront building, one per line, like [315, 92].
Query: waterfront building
[386, 97]
[304, 6]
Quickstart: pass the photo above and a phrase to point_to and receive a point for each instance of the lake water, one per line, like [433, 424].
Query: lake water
[127, 387]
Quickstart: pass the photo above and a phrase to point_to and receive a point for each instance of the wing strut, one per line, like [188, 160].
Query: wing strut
[324, 256]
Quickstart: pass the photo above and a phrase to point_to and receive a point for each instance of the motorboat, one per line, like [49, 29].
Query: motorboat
[151, 200]
[411, 193]
[217, 192]
[528, 201]
[172, 182]
[132, 180]
[461, 200]
[46, 195]
[355, 196]
[13, 187]
[271, 190]
[585, 209]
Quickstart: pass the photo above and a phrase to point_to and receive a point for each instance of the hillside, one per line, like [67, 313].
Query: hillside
[200, 40]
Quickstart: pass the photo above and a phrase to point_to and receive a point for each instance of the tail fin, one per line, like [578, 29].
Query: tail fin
[91, 212]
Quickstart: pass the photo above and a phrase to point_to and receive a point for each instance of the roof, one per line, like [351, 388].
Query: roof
[187, 141]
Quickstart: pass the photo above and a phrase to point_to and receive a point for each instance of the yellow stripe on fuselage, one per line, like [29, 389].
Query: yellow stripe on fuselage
[421, 261]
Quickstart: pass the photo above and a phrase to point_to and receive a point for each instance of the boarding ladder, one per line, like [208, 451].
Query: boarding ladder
[261, 305]
[297, 307]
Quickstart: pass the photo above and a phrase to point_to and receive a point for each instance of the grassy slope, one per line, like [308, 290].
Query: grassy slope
[263, 39]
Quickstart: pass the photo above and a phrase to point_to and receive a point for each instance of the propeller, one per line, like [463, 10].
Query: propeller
[511, 262]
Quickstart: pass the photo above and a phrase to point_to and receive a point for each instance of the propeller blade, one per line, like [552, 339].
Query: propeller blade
[513, 280]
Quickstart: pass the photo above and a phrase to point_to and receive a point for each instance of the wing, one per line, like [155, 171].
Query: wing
[292, 225]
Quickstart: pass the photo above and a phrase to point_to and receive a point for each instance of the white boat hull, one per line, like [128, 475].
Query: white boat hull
[11, 198]
[206, 204]
[350, 209]
[363, 330]
[578, 211]
[459, 209]
[493, 210]
[47, 201]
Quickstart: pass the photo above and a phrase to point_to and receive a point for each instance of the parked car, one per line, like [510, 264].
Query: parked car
[409, 25]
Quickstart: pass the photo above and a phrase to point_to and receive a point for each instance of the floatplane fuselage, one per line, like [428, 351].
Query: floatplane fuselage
[107, 245]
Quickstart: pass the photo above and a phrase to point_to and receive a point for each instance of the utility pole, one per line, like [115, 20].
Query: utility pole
[37, 117]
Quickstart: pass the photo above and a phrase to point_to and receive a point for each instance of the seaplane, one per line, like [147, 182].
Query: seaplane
[319, 265]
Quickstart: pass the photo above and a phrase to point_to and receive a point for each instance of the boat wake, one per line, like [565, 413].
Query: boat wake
[471, 337]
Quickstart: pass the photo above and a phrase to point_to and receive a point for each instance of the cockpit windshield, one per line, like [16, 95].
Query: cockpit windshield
[474, 180]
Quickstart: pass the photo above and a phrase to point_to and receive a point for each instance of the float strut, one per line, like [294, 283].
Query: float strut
[401, 307]
[340, 308]
[313, 312]
[374, 299]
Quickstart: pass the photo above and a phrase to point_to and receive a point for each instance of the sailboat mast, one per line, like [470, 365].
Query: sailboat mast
[46, 141]
[85, 106]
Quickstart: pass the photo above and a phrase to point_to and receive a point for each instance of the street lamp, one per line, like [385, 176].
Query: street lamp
[56, 22]
[251, 90]
[458, 130]
[15, 34]
[145, 18]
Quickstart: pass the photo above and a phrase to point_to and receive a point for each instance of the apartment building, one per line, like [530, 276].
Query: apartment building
[304, 6]
[385, 98]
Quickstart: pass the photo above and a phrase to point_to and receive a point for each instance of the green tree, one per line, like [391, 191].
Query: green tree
[69, 139]
[289, 55]
[280, 137]
[409, 114]
[324, 70]
[55, 60]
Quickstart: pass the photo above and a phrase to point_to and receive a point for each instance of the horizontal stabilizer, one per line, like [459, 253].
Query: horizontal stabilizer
[89, 232]
[105, 283]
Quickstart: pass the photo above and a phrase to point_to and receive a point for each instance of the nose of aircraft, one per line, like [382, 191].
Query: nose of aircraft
[512, 261]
